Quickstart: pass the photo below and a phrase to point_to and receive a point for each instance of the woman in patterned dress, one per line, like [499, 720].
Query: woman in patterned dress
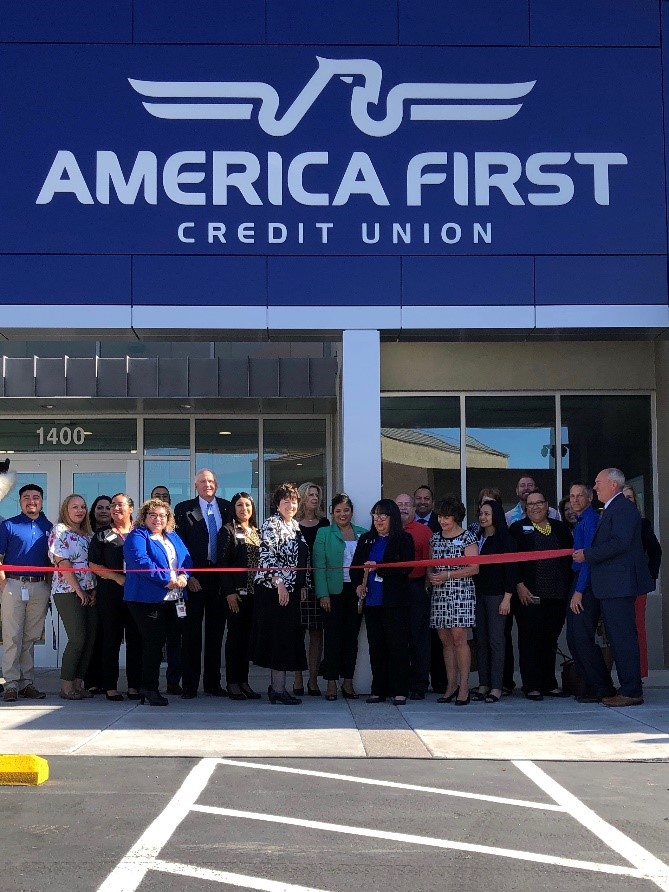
[74, 594]
[239, 546]
[277, 638]
[453, 597]
[311, 519]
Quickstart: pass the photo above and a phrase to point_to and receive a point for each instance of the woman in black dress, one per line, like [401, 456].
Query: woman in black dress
[277, 639]
[99, 516]
[239, 546]
[311, 519]
[105, 556]
[543, 587]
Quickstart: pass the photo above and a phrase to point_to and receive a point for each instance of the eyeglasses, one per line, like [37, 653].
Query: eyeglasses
[119, 504]
[157, 516]
[380, 516]
[536, 504]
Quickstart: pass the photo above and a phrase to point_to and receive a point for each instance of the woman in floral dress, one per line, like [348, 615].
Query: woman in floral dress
[74, 594]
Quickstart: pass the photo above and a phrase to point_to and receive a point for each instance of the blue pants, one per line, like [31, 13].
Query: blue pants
[587, 654]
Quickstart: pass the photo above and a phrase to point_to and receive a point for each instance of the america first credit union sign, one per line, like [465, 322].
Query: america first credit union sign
[269, 150]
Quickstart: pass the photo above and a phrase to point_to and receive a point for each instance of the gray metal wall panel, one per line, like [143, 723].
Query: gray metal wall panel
[264, 377]
[203, 377]
[233, 378]
[50, 377]
[112, 377]
[143, 376]
[19, 376]
[81, 380]
[323, 376]
[293, 377]
[173, 376]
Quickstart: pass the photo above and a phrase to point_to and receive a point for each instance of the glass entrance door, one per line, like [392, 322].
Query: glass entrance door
[58, 478]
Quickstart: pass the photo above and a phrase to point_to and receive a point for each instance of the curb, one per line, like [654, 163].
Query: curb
[25, 771]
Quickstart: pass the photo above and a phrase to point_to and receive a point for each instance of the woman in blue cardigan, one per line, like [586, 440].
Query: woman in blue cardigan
[156, 595]
[332, 556]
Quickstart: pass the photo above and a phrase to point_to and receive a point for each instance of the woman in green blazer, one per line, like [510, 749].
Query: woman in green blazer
[332, 555]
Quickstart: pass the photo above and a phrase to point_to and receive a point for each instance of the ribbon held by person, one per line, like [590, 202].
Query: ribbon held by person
[512, 557]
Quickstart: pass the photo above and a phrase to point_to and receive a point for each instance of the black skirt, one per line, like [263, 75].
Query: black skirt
[277, 637]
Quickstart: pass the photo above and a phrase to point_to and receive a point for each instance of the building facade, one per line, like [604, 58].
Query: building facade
[371, 245]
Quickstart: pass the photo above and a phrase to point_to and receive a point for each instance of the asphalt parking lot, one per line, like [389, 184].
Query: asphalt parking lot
[288, 825]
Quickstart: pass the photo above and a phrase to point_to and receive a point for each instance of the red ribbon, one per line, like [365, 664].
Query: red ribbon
[512, 557]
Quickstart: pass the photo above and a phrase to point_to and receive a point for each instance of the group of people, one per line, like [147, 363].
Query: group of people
[172, 580]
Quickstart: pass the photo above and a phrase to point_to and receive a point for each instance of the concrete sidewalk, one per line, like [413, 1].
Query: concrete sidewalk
[514, 728]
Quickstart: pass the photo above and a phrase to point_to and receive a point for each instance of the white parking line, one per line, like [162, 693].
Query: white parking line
[650, 866]
[520, 855]
[374, 782]
[144, 855]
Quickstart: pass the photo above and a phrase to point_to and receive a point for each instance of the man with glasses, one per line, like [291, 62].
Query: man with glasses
[24, 597]
[619, 573]
[198, 522]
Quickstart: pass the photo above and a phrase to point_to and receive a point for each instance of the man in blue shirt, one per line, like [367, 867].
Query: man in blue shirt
[24, 597]
[585, 610]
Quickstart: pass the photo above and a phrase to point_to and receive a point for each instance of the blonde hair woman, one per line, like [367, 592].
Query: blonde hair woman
[74, 593]
[311, 518]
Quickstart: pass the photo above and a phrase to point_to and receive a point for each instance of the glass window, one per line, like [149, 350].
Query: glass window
[507, 435]
[167, 436]
[420, 444]
[294, 452]
[175, 474]
[48, 435]
[608, 432]
[229, 446]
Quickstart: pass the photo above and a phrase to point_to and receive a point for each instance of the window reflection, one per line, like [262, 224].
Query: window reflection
[294, 451]
[175, 475]
[229, 447]
[420, 444]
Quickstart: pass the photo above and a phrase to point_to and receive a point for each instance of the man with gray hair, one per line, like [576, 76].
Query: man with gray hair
[619, 573]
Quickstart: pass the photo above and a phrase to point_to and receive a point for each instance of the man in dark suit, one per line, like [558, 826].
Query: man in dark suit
[619, 573]
[424, 502]
[198, 522]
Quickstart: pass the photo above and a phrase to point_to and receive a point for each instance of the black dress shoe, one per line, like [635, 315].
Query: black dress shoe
[284, 697]
[249, 692]
[189, 695]
[216, 692]
[153, 698]
[417, 695]
[175, 689]
[235, 695]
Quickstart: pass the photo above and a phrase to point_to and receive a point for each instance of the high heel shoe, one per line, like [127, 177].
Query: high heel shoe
[313, 692]
[464, 702]
[349, 695]
[153, 698]
[283, 697]
[449, 699]
[117, 698]
[248, 691]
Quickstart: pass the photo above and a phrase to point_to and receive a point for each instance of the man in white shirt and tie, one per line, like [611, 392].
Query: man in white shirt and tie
[198, 522]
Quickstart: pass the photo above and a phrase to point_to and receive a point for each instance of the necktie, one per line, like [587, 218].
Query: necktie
[422, 520]
[213, 531]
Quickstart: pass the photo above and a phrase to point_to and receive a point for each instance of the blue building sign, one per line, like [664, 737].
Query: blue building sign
[367, 151]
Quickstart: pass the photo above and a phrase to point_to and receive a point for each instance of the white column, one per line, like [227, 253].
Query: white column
[361, 445]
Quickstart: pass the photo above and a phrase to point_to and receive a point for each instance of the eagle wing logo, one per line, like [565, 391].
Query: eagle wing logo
[237, 100]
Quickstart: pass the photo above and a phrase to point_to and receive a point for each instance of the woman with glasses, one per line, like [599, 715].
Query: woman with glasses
[239, 546]
[105, 555]
[156, 592]
[280, 587]
[543, 588]
[74, 593]
[453, 597]
[386, 594]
